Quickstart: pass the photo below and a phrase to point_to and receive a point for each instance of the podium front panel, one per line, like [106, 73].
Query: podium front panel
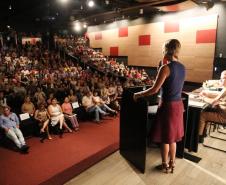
[133, 126]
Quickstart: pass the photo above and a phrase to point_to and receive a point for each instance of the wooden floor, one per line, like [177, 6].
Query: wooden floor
[115, 170]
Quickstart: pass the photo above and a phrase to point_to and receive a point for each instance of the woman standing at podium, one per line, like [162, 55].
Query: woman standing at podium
[168, 128]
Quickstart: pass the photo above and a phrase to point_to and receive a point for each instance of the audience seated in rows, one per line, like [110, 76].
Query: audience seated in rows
[40, 83]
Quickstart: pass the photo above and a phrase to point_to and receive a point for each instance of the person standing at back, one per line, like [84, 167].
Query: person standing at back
[168, 128]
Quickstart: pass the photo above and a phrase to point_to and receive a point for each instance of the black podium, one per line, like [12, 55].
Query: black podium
[134, 120]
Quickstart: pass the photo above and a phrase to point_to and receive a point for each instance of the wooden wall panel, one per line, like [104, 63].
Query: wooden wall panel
[197, 58]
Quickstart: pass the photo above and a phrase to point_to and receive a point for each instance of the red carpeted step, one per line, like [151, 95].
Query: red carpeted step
[58, 160]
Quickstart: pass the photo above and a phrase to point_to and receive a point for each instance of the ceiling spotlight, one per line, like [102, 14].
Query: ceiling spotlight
[91, 3]
[63, 1]
[84, 25]
[107, 2]
[8, 26]
[77, 26]
[141, 11]
[10, 7]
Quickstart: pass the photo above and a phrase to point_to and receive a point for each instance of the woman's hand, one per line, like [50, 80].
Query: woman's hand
[215, 103]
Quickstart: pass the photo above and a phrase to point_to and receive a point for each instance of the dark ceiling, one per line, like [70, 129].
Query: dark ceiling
[37, 14]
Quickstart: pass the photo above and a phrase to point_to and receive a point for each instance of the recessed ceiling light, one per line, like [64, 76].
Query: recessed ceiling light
[77, 26]
[63, 1]
[141, 11]
[91, 3]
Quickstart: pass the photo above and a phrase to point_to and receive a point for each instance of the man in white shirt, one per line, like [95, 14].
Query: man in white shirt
[218, 102]
[90, 106]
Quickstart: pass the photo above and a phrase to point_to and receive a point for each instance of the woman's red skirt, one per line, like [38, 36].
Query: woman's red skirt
[169, 125]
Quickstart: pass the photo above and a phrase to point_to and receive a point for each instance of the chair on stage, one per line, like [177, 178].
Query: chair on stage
[215, 127]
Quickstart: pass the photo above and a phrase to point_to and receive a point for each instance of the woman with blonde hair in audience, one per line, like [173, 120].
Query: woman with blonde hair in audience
[28, 106]
[68, 113]
[104, 94]
[42, 116]
[40, 96]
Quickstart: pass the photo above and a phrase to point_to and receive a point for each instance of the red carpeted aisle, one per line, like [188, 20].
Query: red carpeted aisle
[58, 160]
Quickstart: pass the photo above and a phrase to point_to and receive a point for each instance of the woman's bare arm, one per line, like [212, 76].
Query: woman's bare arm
[49, 110]
[163, 73]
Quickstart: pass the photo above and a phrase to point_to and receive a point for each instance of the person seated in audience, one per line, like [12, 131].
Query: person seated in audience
[68, 113]
[3, 101]
[119, 90]
[99, 102]
[19, 89]
[90, 106]
[105, 95]
[51, 96]
[57, 116]
[42, 116]
[112, 91]
[72, 97]
[10, 123]
[30, 124]
[40, 96]
[218, 113]
[28, 106]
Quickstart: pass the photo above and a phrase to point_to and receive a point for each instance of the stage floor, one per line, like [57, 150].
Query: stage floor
[59, 160]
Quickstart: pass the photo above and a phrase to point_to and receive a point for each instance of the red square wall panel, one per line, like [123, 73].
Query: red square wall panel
[206, 36]
[98, 36]
[113, 51]
[144, 40]
[171, 27]
[123, 32]
[173, 8]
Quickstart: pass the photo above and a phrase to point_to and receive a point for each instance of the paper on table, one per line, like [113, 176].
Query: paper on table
[75, 105]
[152, 109]
[24, 116]
[198, 104]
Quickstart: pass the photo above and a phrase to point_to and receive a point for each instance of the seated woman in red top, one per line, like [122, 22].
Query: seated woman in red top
[68, 114]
